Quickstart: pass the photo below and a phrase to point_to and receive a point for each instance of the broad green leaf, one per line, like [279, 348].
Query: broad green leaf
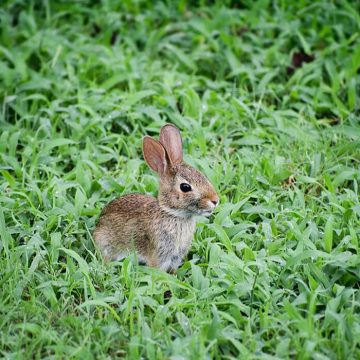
[328, 234]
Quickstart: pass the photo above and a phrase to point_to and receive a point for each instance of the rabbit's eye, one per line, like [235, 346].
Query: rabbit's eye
[184, 187]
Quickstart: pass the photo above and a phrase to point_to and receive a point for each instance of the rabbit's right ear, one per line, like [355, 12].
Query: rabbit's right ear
[170, 137]
[155, 155]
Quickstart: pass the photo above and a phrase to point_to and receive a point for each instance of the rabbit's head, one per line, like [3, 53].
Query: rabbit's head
[184, 191]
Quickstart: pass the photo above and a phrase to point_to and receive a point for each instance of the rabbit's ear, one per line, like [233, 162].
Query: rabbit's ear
[155, 155]
[171, 139]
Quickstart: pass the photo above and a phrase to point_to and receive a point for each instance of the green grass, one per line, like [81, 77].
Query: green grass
[275, 273]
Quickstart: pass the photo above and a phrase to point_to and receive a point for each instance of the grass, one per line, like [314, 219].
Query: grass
[266, 95]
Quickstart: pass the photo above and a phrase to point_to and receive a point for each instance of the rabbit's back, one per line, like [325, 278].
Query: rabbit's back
[123, 226]
[129, 206]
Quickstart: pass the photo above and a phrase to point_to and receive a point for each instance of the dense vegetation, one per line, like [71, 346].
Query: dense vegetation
[266, 95]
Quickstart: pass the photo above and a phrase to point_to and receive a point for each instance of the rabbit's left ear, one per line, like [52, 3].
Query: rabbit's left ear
[170, 138]
[155, 155]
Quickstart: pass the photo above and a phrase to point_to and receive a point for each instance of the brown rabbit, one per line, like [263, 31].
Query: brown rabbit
[159, 230]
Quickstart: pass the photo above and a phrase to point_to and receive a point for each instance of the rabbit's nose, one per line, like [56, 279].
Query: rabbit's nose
[214, 200]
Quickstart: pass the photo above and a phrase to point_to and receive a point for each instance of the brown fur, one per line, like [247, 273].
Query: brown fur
[159, 230]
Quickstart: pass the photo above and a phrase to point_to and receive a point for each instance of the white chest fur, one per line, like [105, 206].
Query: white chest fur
[176, 235]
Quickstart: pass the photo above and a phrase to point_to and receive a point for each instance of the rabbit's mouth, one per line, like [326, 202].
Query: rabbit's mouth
[183, 213]
[205, 212]
[186, 212]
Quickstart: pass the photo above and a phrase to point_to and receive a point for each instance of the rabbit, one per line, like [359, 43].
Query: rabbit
[159, 230]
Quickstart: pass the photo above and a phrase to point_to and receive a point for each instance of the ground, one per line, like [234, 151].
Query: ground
[266, 95]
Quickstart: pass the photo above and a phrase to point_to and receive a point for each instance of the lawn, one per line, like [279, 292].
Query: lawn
[266, 95]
